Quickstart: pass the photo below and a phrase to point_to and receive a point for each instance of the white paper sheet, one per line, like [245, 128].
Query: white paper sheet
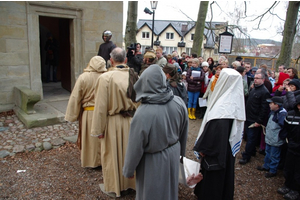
[196, 73]
[202, 102]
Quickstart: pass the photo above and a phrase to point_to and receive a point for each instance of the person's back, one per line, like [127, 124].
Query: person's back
[114, 109]
[154, 147]
[80, 107]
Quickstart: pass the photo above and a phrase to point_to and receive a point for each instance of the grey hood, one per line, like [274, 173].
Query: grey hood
[152, 86]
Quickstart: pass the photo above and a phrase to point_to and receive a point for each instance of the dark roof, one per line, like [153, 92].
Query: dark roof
[161, 25]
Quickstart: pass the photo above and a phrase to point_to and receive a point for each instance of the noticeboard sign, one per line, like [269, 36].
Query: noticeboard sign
[225, 42]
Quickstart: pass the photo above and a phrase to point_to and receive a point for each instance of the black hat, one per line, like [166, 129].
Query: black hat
[295, 82]
[276, 99]
[239, 58]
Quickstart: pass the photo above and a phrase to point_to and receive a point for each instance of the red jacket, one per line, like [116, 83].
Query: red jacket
[203, 86]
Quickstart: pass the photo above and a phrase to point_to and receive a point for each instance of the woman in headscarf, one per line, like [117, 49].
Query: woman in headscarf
[278, 86]
[81, 108]
[220, 137]
[158, 134]
[173, 81]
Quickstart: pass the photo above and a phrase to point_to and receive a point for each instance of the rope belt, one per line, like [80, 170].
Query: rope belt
[170, 145]
[89, 108]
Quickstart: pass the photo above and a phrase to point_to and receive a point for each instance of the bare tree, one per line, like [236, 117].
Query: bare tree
[199, 30]
[289, 32]
[131, 28]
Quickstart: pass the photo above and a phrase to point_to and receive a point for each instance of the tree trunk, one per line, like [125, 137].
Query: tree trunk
[131, 28]
[199, 30]
[288, 34]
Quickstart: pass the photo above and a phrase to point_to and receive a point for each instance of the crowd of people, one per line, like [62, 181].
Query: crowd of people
[133, 110]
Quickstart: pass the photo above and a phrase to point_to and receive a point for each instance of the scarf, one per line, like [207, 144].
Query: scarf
[214, 83]
[195, 68]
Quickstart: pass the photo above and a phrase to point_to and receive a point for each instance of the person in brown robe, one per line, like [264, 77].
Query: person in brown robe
[113, 112]
[80, 107]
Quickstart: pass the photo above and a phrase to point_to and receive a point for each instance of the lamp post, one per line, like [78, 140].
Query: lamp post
[146, 10]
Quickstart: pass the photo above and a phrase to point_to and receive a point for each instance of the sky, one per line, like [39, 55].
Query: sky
[223, 11]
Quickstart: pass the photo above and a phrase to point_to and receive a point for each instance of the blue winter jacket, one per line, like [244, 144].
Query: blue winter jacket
[275, 126]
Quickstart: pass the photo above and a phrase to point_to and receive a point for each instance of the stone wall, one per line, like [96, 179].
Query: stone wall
[14, 69]
[19, 41]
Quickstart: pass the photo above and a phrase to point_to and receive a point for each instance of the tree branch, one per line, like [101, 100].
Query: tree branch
[245, 3]
[186, 15]
[260, 17]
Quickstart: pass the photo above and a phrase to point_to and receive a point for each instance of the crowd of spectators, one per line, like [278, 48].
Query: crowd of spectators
[272, 106]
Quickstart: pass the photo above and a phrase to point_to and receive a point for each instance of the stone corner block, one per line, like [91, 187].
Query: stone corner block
[25, 98]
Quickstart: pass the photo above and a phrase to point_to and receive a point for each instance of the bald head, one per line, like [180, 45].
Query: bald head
[118, 55]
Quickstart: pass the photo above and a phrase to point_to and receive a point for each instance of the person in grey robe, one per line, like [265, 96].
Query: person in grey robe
[157, 138]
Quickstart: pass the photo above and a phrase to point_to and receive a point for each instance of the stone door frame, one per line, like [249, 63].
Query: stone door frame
[34, 10]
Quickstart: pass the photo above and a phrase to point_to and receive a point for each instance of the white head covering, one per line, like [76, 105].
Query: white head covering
[205, 64]
[227, 102]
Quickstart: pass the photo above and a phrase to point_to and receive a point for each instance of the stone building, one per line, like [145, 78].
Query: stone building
[76, 25]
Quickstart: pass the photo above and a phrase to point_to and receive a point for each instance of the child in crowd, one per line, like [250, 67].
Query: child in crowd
[291, 187]
[207, 76]
[274, 131]
[185, 83]
[194, 77]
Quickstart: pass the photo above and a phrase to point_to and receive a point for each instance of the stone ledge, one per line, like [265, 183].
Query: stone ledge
[45, 115]
[25, 99]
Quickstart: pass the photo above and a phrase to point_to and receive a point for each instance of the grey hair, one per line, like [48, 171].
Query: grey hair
[118, 55]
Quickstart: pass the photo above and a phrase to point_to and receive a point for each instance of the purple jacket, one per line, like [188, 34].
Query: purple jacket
[195, 84]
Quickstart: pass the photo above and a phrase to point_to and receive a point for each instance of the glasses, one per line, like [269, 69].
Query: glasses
[258, 78]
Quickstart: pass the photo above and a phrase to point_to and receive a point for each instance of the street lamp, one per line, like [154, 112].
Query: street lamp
[146, 10]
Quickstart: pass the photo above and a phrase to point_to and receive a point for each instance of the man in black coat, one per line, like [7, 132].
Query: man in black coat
[256, 110]
[106, 47]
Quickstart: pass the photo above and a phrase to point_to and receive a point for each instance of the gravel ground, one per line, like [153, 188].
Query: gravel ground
[57, 174]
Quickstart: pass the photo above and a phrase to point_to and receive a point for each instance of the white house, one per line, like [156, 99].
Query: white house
[178, 36]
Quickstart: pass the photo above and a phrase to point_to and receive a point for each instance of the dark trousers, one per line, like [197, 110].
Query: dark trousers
[253, 135]
[292, 171]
